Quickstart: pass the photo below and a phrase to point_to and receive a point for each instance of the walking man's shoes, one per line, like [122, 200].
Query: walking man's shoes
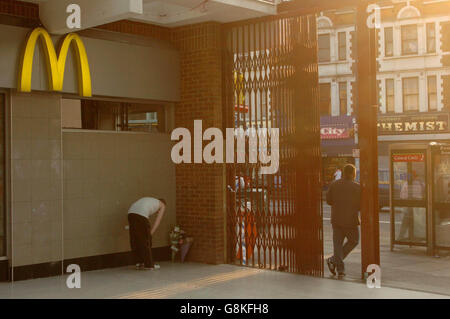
[331, 266]
[341, 275]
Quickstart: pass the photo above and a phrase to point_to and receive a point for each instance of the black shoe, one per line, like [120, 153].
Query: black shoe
[341, 274]
[331, 266]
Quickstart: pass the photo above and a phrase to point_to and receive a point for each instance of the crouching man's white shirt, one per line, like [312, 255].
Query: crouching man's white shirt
[145, 206]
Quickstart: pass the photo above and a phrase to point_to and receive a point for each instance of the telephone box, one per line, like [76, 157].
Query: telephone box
[420, 195]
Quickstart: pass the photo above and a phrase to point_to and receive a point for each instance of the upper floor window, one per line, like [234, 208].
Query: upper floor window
[411, 94]
[343, 98]
[431, 38]
[324, 48]
[388, 42]
[325, 98]
[342, 42]
[409, 39]
[432, 93]
[390, 96]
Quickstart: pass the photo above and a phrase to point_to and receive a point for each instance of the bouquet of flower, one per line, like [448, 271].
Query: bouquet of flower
[179, 242]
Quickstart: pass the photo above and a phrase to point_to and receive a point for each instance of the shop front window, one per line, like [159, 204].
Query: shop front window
[441, 167]
[112, 116]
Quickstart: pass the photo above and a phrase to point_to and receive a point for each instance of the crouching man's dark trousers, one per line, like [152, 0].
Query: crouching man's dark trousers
[140, 239]
[340, 250]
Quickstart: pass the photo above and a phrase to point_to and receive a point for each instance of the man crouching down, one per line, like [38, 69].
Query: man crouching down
[140, 233]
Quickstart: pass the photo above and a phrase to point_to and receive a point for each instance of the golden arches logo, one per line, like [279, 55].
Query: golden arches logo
[55, 64]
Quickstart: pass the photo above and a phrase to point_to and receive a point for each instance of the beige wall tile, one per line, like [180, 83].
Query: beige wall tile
[21, 128]
[21, 212]
[56, 169]
[40, 169]
[21, 149]
[22, 255]
[39, 129]
[21, 170]
[21, 190]
[73, 188]
[73, 169]
[91, 146]
[54, 128]
[55, 148]
[41, 251]
[91, 169]
[21, 234]
[40, 149]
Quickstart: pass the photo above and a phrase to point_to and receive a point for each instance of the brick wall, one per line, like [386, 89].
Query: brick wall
[200, 188]
[19, 9]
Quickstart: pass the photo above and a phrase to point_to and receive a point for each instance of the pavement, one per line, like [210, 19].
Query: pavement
[405, 267]
[193, 281]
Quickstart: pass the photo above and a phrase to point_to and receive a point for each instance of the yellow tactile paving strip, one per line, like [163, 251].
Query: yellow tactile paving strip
[173, 289]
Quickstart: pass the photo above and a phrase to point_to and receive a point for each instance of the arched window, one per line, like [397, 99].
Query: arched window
[408, 12]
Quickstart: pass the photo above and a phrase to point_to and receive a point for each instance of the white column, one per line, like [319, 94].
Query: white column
[421, 38]
[349, 98]
[439, 92]
[423, 100]
[398, 95]
[383, 95]
[397, 39]
[334, 98]
[333, 46]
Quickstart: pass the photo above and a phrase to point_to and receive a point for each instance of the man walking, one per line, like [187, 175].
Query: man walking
[344, 197]
[140, 233]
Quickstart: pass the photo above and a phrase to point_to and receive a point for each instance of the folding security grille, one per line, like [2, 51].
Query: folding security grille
[271, 81]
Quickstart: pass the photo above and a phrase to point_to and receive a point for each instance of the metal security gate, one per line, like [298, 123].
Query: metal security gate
[274, 221]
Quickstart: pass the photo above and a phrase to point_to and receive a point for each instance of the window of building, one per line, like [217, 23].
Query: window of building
[342, 42]
[409, 39]
[411, 94]
[325, 98]
[431, 38]
[388, 42]
[343, 98]
[432, 93]
[112, 116]
[390, 96]
[324, 48]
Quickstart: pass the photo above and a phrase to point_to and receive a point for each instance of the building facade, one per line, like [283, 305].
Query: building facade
[413, 71]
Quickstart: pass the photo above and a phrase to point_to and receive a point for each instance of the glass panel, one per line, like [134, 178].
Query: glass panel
[442, 199]
[431, 38]
[410, 189]
[410, 224]
[342, 46]
[324, 47]
[409, 39]
[389, 44]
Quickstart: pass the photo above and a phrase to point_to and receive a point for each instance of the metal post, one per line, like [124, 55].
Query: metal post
[367, 109]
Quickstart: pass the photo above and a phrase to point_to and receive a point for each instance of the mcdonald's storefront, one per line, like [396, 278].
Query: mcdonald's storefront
[84, 133]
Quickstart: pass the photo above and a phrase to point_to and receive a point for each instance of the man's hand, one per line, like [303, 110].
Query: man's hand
[158, 218]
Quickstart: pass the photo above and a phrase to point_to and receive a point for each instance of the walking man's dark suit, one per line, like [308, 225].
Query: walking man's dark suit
[344, 197]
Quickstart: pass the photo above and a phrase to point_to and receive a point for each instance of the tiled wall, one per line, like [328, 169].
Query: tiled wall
[104, 173]
[73, 202]
[36, 179]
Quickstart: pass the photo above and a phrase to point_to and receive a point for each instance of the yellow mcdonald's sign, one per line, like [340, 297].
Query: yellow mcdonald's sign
[55, 64]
